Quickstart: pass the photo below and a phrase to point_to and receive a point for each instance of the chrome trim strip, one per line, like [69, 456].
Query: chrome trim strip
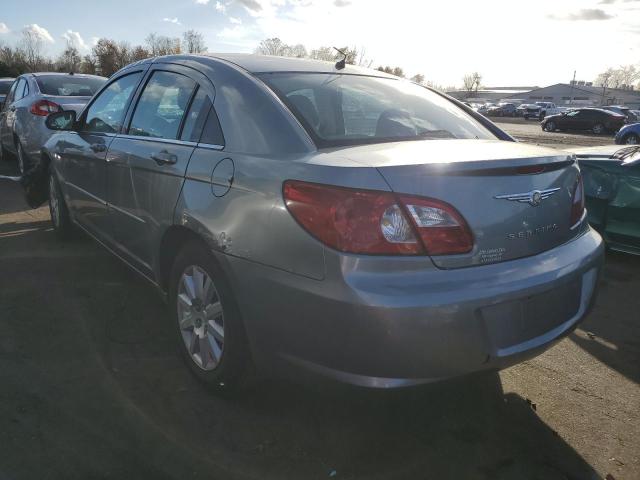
[82, 190]
[210, 146]
[124, 212]
[171, 141]
[529, 197]
[579, 222]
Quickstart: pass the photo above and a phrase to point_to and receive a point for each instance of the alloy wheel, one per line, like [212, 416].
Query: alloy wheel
[550, 127]
[598, 128]
[200, 317]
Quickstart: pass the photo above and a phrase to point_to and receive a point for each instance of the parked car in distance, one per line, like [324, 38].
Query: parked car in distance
[612, 191]
[628, 134]
[31, 98]
[539, 110]
[484, 108]
[595, 120]
[5, 85]
[622, 110]
[307, 217]
[502, 109]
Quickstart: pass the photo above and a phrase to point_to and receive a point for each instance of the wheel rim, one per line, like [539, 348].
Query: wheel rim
[20, 159]
[597, 129]
[200, 317]
[632, 140]
[54, 204]
[551, 127]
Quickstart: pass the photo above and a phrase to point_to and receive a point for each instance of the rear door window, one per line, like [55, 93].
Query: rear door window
[106, 113]
[162, 105]
[197, 115]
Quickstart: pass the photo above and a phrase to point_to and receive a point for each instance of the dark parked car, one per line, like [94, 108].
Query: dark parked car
[622, 110]
[300, 215]
[502, 110]
[595, 120]
[5, 85]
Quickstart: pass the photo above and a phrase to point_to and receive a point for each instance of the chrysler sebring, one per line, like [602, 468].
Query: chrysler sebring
[307, 216]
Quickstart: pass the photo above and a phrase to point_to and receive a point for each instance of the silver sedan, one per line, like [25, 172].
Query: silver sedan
[30, 99]
[308, 217]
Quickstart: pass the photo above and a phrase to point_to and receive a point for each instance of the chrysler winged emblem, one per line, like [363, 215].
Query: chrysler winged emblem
[533, 198]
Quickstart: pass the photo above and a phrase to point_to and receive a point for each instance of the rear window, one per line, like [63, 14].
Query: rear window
[338, 109]
[5, 85]
[69, 86]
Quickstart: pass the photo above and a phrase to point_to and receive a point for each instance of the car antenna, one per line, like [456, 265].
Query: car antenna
[340, 64]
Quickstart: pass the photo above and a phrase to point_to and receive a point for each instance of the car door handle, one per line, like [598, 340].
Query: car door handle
[98, 147]
[164, 158]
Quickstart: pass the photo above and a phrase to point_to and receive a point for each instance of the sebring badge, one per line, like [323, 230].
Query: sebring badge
[533, 198]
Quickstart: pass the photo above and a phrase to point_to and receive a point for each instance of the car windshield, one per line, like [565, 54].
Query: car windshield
[5, 85]
[69, 85]
[339, 109]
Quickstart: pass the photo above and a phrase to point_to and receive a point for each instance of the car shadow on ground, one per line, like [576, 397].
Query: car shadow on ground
[614, 338]
[92, 387]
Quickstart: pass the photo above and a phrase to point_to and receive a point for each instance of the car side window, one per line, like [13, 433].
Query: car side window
[196, 116]
[106, 113]
[11, 94]
[19, 90]
[212, 131]
[25, 90]
[162, 105]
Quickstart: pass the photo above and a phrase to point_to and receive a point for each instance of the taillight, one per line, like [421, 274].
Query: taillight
[577, 202]
[371, 222]
[42, 108]
[442, 229]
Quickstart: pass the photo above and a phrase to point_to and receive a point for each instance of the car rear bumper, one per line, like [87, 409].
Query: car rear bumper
[383, 329]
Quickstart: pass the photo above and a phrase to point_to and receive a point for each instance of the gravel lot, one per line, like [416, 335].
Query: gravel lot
[92, 388]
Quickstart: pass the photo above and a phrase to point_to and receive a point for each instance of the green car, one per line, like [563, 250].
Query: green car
[612, 191]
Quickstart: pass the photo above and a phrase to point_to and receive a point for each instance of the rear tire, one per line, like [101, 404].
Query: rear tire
[206, 319]
[58, 210]
[598, 129]
[550, 126]
[631, 139]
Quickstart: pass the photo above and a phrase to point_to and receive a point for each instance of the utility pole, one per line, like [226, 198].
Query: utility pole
[573, 83]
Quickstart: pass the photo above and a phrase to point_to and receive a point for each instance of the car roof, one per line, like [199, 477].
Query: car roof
[62, 74]
[254, 64]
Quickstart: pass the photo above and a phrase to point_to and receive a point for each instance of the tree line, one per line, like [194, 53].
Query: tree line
[105, 58]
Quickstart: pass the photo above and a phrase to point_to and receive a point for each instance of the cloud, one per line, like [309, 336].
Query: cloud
[235, 20]
[4, 28]
[584, 14]
[221, 7]
[341, 3]
[173, 20]
[39, 31]
[202, 2]
[253, 6]
[74, 39]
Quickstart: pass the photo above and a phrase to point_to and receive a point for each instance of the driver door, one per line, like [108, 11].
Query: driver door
[84, 157]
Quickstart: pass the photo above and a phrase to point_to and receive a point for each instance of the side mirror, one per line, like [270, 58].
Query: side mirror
[64, 120]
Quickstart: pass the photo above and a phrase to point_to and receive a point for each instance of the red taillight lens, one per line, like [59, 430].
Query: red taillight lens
[577, 203]
[42, 108]
[370, 222]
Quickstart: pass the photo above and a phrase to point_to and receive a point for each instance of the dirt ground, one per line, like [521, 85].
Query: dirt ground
[91, 387]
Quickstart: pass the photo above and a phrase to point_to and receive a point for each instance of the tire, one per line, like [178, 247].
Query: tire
[598, 129]
[220, 331]
[62, 226]
[550, 126]
[526, 117]
[542, 115]
[631, 139]
[4, 156]
[23, 161]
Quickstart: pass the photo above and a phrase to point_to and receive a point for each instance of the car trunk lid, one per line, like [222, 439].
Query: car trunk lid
[515, 198]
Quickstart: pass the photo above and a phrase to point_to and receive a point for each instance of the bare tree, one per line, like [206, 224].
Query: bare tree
[193, 42]
[323, 53]
[160, 45]
[70, 59]
[471, 82]
[298, 51]
[31, 45]
[418, 78]
[272, 46]
[89, 65]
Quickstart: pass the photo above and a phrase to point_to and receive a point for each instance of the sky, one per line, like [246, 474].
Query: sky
[510, 42]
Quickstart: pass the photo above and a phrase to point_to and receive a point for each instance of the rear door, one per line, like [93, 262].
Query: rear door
[5, 133]
[146, 166]
[11, 114]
